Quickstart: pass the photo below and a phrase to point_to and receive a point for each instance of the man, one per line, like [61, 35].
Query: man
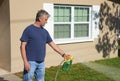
[33, 47]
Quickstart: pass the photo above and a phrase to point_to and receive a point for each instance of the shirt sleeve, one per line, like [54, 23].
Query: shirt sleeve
[25, 36]
[49, 39]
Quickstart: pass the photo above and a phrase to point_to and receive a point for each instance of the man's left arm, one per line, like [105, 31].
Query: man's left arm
[58, 50]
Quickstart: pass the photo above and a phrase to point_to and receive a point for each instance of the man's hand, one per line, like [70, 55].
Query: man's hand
[27, 66]
[66, 56]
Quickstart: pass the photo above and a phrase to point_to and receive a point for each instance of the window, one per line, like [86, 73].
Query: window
[71, 22]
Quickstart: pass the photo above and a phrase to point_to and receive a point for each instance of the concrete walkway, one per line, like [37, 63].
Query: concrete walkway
[109, 71]
[7, 76]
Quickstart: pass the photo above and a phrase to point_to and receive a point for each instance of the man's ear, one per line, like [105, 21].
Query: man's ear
[39, 19]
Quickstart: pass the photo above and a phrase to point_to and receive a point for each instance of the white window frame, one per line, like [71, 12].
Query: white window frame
[50, 26]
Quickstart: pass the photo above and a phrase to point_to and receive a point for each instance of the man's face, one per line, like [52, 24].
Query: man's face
[43, 20]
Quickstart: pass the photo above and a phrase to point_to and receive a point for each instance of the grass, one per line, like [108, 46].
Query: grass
[80, 72]
[115, 62]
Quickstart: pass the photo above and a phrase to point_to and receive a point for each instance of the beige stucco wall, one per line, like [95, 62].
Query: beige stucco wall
[108, 25]
[22, 13]
[4, 35]
[82, 52]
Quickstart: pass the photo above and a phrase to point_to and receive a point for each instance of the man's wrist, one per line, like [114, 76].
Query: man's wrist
[63, 55]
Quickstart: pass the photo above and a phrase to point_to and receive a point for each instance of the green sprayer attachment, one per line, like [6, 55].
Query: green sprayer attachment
[67, 64]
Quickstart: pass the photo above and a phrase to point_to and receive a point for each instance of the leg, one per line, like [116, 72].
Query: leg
[40, 72]
[28, 75]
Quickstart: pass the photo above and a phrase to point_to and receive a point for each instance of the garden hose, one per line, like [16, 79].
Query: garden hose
[65, 67]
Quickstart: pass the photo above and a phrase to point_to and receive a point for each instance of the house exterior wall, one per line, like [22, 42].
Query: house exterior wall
[22, 13]
[5, 57]
[109, 28]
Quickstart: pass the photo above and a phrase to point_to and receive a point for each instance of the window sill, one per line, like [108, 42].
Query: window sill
[65, 41]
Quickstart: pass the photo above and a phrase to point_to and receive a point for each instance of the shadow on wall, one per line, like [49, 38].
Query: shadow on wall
[108, 26]
[2, 79]
[116, 1]
[1, 1]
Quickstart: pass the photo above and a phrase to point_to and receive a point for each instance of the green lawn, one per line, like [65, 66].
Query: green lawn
[78, 72]
[81, 72]
[110, 62]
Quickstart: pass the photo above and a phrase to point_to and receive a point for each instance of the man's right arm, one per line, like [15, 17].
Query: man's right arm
[23, 54]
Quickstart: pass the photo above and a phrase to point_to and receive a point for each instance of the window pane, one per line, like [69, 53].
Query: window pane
[62, 14]
[62, 31]
[81, 30]
[81, 14]
[55, 14]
